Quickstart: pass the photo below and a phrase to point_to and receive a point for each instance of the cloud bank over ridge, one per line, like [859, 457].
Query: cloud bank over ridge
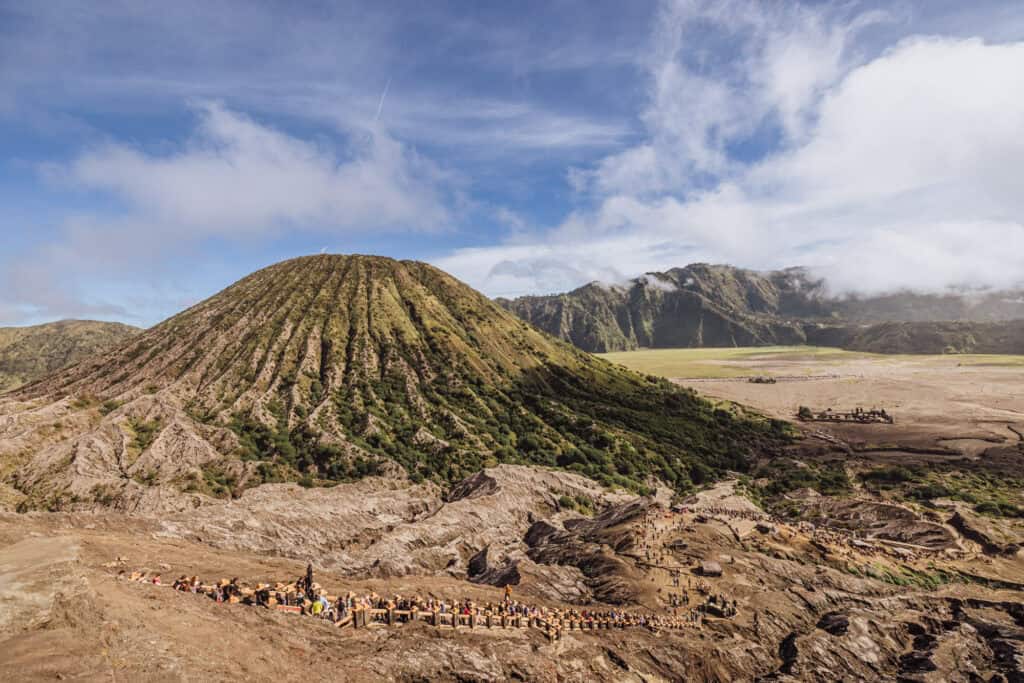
[892, 171]
[153, 153]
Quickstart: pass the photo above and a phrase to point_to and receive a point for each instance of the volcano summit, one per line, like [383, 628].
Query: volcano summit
[329, 368]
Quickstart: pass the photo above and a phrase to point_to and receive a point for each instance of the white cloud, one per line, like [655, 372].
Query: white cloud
[719, 72]
[236, 176]
[653, 281]
[234, 180]
[896, 171]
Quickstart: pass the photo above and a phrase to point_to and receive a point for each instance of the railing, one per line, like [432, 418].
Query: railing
[552, 627]
[363, 617]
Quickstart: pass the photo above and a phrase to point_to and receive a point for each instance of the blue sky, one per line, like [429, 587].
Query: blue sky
[151, 153]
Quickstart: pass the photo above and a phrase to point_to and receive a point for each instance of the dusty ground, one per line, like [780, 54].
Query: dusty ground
[63, 614]
[965, 403]
[811, 607]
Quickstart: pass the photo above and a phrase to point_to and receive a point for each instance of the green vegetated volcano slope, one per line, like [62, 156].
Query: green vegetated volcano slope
[329, 367]
[28, 353]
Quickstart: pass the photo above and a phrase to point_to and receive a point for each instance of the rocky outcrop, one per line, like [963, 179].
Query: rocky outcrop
[992, 538]
[596, 547]
[834, 623]
[376, 527]
[879, 521]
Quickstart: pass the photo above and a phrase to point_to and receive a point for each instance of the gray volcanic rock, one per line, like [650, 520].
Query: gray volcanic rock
[993, 538]
[834, 623]
[882, 521]
[380, 527]
[595, 547]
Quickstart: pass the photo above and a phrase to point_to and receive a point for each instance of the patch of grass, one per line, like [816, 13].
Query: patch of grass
[724, 363]
[999, 508]
[145, 431]
[721, 363]
[105, 494]
[296, 454]
[147, 478]
[888, 477]
[109, 406]
[580, 503]
[908, 576]
[979, 359]
[785, 475]
[83, 402]
[989, 493]
[216, 481]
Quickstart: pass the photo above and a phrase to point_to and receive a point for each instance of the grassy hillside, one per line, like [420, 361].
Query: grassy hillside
[714, 363]
[331, 367]
[1006, 337]
[745, 362]
[28, 353]
[697, 306]
[705, 305]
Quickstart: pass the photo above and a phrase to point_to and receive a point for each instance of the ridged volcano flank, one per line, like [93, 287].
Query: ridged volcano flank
[327, 367]
[304, 328]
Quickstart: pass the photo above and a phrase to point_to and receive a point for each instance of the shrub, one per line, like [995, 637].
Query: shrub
[109, 406]
[889, 475]
[145, 432]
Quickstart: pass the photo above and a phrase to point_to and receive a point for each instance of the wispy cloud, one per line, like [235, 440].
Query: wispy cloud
[579, 141]
[234, 179]
[321, 66]
[779, 140]
[237, 176]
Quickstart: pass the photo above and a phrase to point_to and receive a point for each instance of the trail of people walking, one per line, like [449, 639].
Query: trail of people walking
[306, 597]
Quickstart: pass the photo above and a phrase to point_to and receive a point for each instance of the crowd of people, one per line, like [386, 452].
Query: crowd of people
[655, 529]
[748, 515]
[307, 597]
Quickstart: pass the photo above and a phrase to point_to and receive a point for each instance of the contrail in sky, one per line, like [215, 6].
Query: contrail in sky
[380, 105]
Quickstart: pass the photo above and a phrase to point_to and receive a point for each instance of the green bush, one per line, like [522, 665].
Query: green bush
[145, 432]
[999, 509]
[109, 406]
[889, 475]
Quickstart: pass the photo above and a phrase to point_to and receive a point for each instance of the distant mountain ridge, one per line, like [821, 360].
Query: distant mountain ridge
[703, 305]
[1005, 337]
[28, 353]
